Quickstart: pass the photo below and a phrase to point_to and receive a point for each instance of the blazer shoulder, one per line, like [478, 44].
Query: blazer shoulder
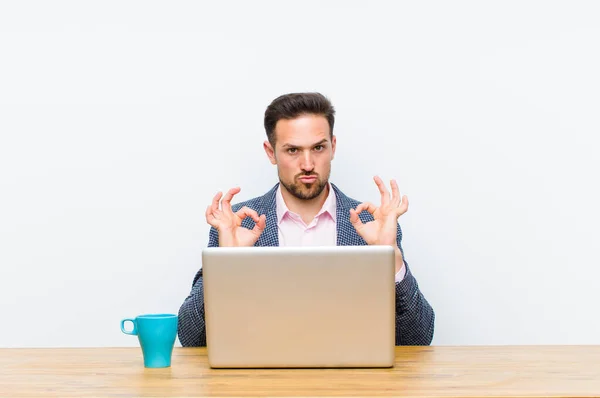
[253, 204]
[344, 200]
[259, 203]
[345, 203]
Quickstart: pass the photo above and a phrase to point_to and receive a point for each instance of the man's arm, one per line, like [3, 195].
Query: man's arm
[414, 315]
[191, 327]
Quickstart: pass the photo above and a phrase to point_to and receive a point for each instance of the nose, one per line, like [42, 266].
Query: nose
[307, 163]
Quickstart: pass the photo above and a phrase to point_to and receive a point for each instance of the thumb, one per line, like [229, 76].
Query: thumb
[260, 225]
[355, 220]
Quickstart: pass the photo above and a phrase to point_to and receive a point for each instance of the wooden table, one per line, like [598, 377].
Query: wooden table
[419, 371]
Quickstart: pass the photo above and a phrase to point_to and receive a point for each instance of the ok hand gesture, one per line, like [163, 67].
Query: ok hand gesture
[382, 230]
[223, 219]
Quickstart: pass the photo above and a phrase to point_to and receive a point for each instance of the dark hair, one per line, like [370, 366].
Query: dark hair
[290, 106]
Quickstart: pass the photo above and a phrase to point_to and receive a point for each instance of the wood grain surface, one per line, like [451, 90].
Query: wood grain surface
[470, 371]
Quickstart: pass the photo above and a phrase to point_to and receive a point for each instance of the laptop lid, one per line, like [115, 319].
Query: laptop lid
[328, 306]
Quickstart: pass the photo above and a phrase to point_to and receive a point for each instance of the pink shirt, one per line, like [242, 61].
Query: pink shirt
[321, 231]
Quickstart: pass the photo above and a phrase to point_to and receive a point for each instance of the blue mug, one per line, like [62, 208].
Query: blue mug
[156, 334]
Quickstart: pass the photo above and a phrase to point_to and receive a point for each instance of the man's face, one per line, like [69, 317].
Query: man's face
[303, 153]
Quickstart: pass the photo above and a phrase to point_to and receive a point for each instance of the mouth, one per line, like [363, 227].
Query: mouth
[308, 179]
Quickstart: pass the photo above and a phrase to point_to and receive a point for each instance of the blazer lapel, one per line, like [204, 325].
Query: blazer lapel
[346, 233]
[270, 236]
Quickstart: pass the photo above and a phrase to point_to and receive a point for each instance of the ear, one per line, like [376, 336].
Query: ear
[333, 144]
[270, 151]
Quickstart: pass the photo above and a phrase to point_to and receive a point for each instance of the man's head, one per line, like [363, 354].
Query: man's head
[300, 141]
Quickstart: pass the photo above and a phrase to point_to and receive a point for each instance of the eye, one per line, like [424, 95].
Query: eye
[319, 148]
[292, 150]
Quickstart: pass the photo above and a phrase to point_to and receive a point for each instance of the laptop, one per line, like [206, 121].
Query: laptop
[299, 307]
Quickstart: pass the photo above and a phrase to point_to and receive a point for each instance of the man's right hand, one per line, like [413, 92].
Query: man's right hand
[229, 224]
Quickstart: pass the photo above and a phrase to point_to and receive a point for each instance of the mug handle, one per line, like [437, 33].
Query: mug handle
[134, 331]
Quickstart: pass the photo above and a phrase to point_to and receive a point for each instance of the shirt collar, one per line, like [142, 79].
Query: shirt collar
[329, 206]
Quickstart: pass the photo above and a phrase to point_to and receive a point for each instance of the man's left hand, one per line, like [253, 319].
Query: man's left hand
[383, 229]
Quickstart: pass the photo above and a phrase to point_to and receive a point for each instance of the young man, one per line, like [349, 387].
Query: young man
[305, 209]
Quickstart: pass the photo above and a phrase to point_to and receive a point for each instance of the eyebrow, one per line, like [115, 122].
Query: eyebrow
[323, 141]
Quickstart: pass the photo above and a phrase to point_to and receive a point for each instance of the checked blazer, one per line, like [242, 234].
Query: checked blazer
[414, 315]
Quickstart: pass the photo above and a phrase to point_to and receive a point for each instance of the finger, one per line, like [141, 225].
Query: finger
[368, 206]
[227, 199]
[403, 208]
[247, 212]
[385, 195]
[215, 202]
[355, 219]
[395, 193]
[260, 225]
[210, 217]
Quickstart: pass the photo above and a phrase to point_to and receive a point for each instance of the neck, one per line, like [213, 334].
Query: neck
[305, 208]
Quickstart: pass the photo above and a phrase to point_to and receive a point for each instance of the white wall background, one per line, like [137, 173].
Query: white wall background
[119, 120]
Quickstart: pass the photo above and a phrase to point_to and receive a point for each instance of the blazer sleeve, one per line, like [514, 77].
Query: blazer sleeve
[415, 317]
[191, 328]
